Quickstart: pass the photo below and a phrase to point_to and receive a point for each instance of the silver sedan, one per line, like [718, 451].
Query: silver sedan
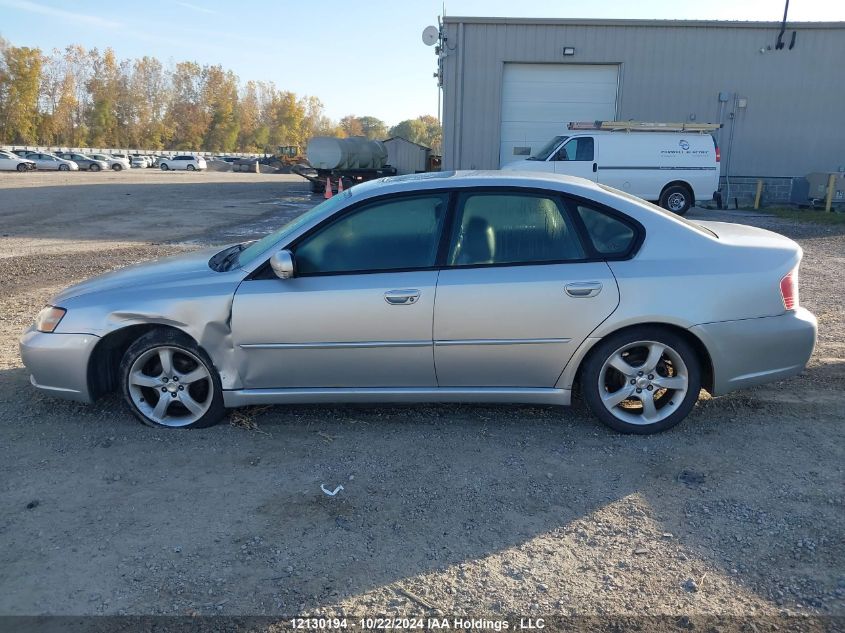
[448, 287]
[46, 162]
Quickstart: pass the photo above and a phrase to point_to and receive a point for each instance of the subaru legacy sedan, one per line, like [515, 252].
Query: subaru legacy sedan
[447, 287]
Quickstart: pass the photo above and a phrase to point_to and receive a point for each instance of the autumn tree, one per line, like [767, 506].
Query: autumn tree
[351, 125]
[186, 116]
[145, 103]
[20, 78]
[425, 130]
[373, 128]
[104, 89]
[219, 99]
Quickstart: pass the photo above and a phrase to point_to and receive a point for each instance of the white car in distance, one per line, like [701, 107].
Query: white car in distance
[189, 162]
[11, 162]
[114, 163]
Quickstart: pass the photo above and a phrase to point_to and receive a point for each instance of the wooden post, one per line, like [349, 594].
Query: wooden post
[830, 184]
[758, 194]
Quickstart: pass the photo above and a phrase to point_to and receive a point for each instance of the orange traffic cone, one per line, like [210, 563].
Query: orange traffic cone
[328, 193]
[340, 184]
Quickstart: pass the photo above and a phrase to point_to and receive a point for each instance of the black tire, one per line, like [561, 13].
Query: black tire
[94, 168]
[117, 167]
[164, 167]
[677, 199]
[64, 168]
[22, 167]
[191, 168]
[592, 391]
[175, 339]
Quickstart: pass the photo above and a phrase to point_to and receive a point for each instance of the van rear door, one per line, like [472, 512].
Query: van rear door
[577, 157]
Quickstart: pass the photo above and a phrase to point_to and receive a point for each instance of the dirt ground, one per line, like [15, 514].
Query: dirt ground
[477, 510]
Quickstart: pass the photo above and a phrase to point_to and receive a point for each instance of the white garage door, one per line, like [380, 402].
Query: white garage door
[539, 100]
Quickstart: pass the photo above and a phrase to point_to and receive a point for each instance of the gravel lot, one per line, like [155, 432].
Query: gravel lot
[477, 510]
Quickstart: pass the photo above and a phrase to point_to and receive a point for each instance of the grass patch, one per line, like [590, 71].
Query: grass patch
[808, 215]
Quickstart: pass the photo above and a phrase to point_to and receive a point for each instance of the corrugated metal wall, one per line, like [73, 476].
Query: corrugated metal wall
[405, 156]
[794, 122]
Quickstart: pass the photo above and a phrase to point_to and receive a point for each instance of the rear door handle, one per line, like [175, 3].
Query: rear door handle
[583, 289]
[403, 297]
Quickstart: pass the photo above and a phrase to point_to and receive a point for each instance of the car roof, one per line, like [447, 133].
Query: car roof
[477, 178]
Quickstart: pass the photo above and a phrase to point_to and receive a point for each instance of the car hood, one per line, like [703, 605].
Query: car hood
[177, 268]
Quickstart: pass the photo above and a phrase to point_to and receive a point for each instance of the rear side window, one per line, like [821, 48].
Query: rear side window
[609, 235]
[512, 229]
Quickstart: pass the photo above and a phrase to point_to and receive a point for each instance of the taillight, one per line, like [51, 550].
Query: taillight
[718, 155]
[789, 289]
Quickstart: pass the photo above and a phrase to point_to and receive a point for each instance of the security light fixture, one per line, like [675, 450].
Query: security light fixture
[568, 50]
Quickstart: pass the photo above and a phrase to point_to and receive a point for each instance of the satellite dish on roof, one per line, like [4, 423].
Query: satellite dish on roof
[430, 35]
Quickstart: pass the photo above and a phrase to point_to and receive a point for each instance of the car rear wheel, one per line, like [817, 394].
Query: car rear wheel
[169, 381]
[64, 168]
[191, 168]
[164, 167]
[676, 199]
[642, 381]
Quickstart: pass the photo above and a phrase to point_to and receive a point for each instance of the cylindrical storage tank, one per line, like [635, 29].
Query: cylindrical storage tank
[357, 152]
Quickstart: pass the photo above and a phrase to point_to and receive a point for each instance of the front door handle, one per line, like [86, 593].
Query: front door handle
[595, 167]
[402, 297]
[583, 289]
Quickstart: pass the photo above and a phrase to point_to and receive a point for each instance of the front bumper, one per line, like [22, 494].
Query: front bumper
[751, 352]
[58, 363]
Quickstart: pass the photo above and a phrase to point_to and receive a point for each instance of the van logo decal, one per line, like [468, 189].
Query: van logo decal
[684, 145]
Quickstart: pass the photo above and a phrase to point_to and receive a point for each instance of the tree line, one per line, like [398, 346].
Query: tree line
[90, 98]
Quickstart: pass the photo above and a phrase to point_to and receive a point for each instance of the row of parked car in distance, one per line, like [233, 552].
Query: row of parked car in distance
[25, 160]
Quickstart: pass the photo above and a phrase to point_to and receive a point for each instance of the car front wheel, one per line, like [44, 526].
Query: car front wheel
[94, 168]
[164, 167]
[190, 168]
[117, 167]
[642, 381]
[22, 167]
[169, 381]
[64, 168]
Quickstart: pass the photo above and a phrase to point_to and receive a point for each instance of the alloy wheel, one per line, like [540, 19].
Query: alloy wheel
[170, 385]
[643, 382]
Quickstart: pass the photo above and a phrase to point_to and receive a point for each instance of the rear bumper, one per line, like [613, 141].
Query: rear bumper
[755, 351]
[58, 363]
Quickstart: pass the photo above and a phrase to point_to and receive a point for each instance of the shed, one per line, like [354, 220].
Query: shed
[406, 156]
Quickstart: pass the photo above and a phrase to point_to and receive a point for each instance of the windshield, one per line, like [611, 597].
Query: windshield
[256, 248]
[548, 148]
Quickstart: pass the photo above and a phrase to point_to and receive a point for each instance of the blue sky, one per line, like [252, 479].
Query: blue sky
[363, 58]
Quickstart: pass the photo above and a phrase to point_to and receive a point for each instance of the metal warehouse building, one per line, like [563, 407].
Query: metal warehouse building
[510, 85]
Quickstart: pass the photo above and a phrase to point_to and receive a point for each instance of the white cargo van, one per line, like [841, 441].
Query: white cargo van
[672, 169]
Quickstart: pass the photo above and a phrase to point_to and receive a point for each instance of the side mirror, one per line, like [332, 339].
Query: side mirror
[282, 264]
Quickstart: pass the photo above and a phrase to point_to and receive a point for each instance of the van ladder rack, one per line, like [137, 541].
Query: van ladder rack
[643, 126]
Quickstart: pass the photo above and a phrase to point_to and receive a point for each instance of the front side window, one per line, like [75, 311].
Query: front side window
[580, 148]
[609, 235]
[493, 228]
[397, 234]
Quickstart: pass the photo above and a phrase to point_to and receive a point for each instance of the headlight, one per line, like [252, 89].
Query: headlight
[48, 319]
